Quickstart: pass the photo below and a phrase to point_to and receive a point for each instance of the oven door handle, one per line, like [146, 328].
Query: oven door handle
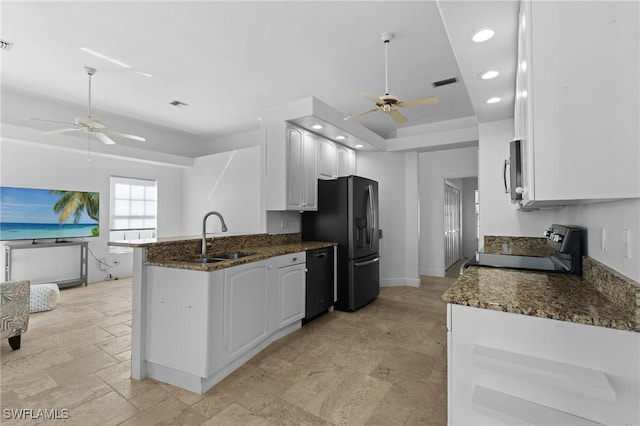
[368, 262]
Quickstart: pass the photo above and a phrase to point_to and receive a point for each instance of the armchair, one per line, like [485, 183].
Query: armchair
[14, 311]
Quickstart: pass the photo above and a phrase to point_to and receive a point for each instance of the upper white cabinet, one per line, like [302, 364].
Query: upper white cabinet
[577, 101]
[294, 161]
[345, 161]
[291, 168]
[327, 162]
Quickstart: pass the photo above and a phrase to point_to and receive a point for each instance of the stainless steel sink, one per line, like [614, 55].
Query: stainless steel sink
[206, 260]
[220, 257]
[234, 255]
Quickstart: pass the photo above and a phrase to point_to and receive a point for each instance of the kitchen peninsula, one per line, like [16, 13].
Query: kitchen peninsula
[194, 322]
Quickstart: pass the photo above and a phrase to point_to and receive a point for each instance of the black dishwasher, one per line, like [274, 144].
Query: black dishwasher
[320, 281]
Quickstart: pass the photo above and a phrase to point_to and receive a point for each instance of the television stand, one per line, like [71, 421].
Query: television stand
[84, 260]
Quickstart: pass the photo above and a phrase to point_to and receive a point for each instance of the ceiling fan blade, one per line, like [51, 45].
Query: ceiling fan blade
[349, 117]
[429, 100]
[51, 121]
[125, 135]
[104, 138]
[373, 97]
[68, 129]
[397, 117]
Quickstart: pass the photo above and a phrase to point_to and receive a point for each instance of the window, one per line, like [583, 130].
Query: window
[133, 209]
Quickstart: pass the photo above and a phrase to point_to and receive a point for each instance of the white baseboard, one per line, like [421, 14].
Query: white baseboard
[399, 282]
[432, 272]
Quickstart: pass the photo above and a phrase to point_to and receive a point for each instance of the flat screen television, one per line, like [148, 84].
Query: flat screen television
[33, 213]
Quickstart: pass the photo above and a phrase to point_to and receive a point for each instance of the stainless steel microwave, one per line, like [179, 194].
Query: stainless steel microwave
[513, 184]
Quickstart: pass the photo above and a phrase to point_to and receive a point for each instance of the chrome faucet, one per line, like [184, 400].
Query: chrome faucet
[204, 230]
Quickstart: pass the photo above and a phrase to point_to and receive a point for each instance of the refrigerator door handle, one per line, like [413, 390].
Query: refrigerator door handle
[373, 215]
[368, 262]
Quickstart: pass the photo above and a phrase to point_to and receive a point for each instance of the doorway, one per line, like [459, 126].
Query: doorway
[452, 224]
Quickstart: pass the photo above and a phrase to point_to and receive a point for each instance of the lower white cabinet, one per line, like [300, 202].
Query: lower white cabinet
[203, 325]
[292, 270]
[506, 369]
[246, 307]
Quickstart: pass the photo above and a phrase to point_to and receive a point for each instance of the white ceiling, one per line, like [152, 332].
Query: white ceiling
[229, 60]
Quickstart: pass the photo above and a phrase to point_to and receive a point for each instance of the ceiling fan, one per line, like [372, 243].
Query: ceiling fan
[90, 125]
[387, 103]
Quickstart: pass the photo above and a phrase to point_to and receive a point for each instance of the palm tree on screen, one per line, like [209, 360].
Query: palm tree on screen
[72, 203]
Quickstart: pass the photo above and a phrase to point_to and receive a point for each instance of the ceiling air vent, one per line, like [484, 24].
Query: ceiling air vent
[444, 82]
[5, 45]
[177, 104]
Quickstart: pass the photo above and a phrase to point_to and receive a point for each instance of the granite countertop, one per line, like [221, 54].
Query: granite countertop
[547, 295]
[258, 253]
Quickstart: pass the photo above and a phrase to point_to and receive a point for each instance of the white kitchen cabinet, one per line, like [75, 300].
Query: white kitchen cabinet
[345, 161]
[578, 101]
[290, 158]
[327, 159]
[291, 280]
[506, 368]
[246, 307]
[201, 326]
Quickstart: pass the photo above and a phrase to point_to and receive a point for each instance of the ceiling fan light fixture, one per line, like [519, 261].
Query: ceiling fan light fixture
[483, 35]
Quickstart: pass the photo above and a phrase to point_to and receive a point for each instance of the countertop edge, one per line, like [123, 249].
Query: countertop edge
[261, 253]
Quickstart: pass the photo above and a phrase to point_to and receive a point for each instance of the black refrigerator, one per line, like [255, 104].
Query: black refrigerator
[348, 215]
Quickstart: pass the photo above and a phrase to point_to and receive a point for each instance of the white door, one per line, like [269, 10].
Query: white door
[452, 228]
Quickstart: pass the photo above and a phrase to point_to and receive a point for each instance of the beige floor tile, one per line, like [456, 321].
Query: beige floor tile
[235, 415]
[351, 400]
[283, 413]
[384, 364]
[118, 376]
[106, 410]
[77, 368]
[69, 395]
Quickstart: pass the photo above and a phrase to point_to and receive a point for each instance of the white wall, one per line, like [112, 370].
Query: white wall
[615, 217]
[25, 164]
[497, 215]
[228, 183]
[434, 168]
[396, 174]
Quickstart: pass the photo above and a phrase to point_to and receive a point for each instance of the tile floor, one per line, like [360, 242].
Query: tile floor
[382, 365]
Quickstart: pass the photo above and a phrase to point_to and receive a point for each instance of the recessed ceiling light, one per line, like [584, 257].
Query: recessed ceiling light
[488, 75]
[341, 137]
[145, 74]
[359, 146]
[493, 100]
[316, 126]
[483, 35]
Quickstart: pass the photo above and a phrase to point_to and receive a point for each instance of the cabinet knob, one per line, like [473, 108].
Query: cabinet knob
[294, 259]
[519, 190]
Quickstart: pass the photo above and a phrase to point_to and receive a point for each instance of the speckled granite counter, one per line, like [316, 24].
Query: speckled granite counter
[518, 246]
[549, 295]
[176, 252]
